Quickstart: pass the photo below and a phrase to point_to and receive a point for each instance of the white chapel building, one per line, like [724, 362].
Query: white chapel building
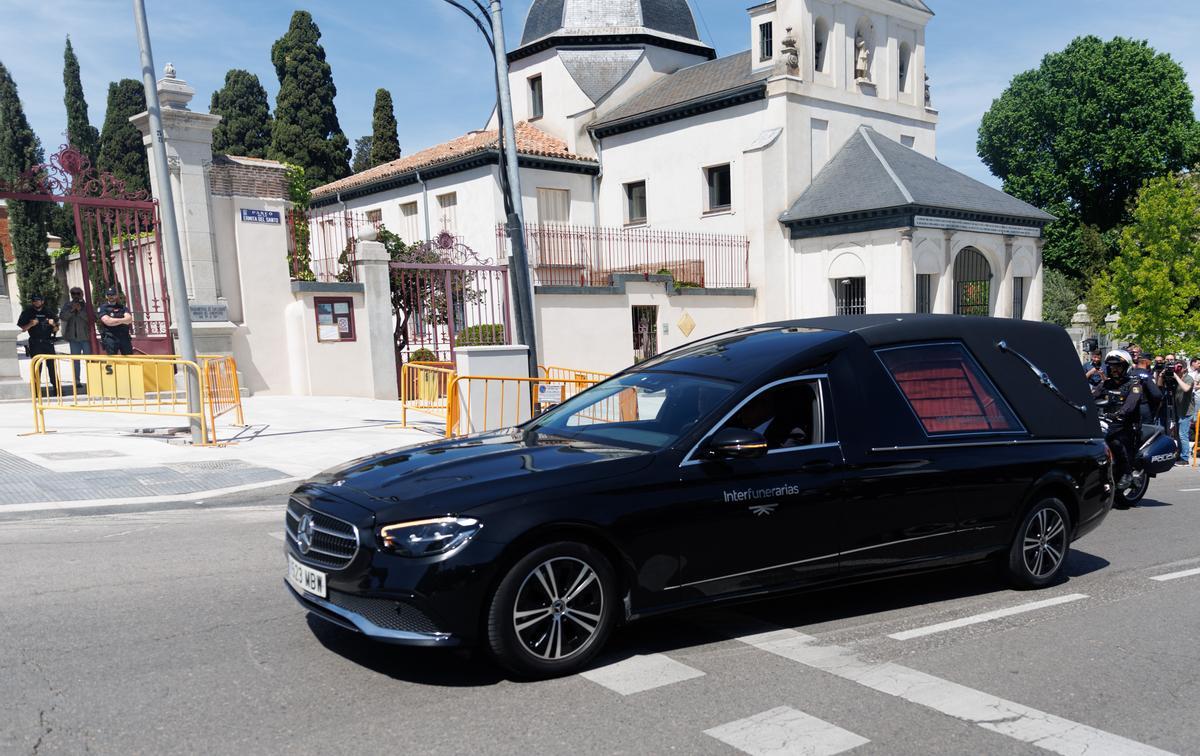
[670, 194]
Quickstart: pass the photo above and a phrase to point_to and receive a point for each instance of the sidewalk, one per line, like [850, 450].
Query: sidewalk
[105, 460]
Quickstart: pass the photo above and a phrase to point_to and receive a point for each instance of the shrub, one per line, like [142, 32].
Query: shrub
[486, 334]
[422, 355]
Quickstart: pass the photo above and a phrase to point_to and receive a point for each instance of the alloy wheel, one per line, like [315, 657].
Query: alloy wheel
[1045, 543]
[558, 608]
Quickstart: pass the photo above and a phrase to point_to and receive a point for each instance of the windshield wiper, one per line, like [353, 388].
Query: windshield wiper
[1043, 376]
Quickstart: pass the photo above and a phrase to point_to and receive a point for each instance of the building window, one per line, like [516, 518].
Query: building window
[820, 44]
[375, 217]
[448, 207]
[1018, 302]
[720, 190]
[553, 205]
[972, 283]
[635, 202]
[924, 292]
[908, 141]
[535, 97]
[766, 41]
[335, 318]
[410, 228]
[948, 391]
[850, 296]
[905, 65]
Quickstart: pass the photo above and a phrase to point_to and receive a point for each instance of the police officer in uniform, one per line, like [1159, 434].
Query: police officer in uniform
[39, 322]
[114, 319]
[1124, 425]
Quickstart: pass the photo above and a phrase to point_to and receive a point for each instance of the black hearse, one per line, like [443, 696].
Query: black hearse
[766, 459]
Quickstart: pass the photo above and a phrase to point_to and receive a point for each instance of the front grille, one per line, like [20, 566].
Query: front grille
[334, 542]
[386, 613]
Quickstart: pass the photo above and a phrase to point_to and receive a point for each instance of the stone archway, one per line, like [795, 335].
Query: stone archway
[972, 283]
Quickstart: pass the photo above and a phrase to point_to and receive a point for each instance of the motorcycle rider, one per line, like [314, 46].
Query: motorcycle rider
[1124, 421]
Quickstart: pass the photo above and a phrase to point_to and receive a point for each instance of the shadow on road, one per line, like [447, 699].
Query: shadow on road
[461, 668]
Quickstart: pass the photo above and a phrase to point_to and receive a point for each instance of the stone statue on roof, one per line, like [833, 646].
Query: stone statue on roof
[789, 58]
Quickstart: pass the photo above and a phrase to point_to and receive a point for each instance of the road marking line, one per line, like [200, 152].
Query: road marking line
[277, 536]
[976, 707]
[639, 673]
[975, 619]
[785, 731]
[1188, 490]
[1176, 575]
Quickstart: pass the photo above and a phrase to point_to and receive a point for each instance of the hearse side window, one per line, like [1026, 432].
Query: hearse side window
[788, 415]
[948, 391]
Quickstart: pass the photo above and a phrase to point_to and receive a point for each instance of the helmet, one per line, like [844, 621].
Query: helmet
[1118, 358]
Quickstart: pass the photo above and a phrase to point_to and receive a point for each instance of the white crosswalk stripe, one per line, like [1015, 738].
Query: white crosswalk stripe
[785, 731]
[640, 673]
[1177, 575]
[998, 715]
[975, 619]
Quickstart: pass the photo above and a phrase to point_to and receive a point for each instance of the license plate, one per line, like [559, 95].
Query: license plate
[305, 579]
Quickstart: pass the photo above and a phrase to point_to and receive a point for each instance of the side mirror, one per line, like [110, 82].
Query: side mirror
[735, 443]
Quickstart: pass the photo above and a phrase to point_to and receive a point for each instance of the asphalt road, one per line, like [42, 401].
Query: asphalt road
[171, 632]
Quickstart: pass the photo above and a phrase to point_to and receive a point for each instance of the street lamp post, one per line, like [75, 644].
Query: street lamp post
[510, 178]
[170, 229]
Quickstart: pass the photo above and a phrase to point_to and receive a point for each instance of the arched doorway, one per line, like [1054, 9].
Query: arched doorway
[972, 283]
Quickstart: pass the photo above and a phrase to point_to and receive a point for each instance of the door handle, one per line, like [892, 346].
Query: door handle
[817, 466]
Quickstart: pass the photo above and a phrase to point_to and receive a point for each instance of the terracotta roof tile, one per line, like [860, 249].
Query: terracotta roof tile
[530, 141]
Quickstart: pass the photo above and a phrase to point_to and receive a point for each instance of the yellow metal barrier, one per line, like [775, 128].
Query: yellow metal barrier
[425, 387]
[141, 385]
[501, 402]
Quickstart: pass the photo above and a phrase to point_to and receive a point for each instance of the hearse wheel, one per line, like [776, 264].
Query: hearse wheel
[1038, 554]
[553, 610]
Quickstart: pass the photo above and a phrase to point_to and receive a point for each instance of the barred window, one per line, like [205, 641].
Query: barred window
[850, 296]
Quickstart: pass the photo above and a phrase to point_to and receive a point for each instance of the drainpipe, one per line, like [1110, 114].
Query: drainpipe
[598, 146]
[425, 204]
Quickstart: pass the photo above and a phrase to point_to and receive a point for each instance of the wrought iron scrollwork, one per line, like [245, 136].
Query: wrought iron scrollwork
[69, 173]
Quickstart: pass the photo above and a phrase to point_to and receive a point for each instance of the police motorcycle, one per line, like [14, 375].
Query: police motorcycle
[1156, 449]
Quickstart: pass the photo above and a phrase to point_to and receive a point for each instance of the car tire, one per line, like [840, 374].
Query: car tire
[552, 611]
[1038, 555]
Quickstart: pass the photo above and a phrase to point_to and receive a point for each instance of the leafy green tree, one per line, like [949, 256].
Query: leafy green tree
[385, 143]
[362, 154]
[121, 150]
[245, 127]
[1059, 297]
[306, 130]
[1155, 279]
[20, 151]
[81, 134]
[1079, 135]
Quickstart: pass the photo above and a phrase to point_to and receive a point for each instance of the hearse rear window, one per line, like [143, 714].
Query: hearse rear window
[948, 391]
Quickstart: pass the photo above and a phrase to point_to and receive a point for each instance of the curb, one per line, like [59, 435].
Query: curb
[110, 506]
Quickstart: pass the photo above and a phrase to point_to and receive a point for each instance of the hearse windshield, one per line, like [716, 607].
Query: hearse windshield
[638, 410]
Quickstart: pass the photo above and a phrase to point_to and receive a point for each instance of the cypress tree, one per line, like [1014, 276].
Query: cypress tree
[362, 154]
[121, 150]
[306, 130]
[245, 127]
[385, 144]
[20, 150]
[81, 134]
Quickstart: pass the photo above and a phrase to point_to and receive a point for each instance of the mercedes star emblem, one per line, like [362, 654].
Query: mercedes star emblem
[304, 534]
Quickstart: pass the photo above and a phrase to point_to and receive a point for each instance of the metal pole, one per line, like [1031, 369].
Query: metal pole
[170, 231]
[519, 265]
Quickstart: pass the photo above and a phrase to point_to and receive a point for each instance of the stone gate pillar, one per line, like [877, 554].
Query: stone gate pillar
[375, 274]
[188, 139]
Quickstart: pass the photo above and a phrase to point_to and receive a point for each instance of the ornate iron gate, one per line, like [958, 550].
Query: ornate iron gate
[456, 299]
[972, 283]
[117, 234]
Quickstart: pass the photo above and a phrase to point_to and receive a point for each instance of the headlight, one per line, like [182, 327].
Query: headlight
[427, 537]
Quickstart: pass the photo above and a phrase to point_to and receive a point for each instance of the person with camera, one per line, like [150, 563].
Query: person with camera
[39, 322]
[76, 328]
[1179, 392]
[1123, 393]
[1093, 368]
[115, 321]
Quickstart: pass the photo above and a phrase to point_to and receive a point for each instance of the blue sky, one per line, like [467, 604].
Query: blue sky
[436, 66]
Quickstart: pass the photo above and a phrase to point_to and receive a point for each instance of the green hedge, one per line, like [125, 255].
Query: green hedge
[487, 334]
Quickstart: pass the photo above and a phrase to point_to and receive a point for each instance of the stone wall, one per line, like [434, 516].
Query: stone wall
[247, 177]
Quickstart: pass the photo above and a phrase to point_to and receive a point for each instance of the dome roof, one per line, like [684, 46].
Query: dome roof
[671, 18]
